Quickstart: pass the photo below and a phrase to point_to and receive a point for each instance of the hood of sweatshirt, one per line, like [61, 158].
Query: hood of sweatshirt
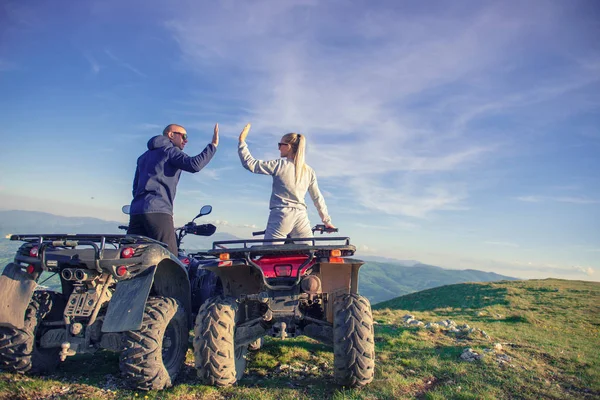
[159, 141]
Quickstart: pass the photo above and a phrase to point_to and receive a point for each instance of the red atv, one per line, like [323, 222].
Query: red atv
[303, 287]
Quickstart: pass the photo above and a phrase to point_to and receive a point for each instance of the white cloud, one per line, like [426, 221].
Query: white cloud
[572, 199]
[95, 67]
[125, 64]
[228, 224]
[388, 227]
[145, 126]
[586, 270]
[407, 198]
[192, 193]
[210, 173]
[576, 200]
[371, 90]
[530, 199]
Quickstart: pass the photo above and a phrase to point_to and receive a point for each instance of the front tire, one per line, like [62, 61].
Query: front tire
[218, 361]
[353, 341]
[154, 355]
[19, 348]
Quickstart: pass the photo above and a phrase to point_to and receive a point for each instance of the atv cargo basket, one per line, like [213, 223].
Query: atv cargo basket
[317, 246]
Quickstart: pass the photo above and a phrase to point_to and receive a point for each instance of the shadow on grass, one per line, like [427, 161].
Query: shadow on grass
[460, 296]
[277, 346]
[263, 368]
[90, 369]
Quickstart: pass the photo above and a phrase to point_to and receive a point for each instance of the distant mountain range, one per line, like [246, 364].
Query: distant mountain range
[380, 281]
[18, 221]
[380, 278]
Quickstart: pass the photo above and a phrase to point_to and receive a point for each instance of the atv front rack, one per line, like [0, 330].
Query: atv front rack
[308, 246]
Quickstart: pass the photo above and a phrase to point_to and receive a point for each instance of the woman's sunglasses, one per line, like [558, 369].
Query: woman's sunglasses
[282, 144]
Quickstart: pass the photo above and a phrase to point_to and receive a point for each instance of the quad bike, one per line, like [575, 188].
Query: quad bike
[124, 293]
[271, 288]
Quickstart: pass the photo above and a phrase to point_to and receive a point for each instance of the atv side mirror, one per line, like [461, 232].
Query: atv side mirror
[126, 208]
[205, 210]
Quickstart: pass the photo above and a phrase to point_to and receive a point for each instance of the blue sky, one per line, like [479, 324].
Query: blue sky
[461, 134]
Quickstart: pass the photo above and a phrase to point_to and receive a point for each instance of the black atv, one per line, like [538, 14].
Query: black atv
[124, 293]
[284, 289]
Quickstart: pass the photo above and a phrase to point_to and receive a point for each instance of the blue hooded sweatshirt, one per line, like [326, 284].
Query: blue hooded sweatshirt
[157, 175]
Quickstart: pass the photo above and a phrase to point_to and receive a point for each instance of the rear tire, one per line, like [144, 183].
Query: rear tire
[353, 341]
[218, 361]
[19, 348]
[154, 355]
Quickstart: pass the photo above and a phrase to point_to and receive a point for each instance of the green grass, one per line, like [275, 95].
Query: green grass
[549, 330]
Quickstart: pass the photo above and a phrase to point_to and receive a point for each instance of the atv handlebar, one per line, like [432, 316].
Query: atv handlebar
[200, 230]
[322, 228]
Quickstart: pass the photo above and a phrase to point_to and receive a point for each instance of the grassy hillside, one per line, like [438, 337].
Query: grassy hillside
[537, 339]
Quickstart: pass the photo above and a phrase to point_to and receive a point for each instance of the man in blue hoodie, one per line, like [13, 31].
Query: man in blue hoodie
[155, 183]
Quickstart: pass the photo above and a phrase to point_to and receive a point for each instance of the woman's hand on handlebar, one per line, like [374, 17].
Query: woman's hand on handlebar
[328, 225]
[324, 228]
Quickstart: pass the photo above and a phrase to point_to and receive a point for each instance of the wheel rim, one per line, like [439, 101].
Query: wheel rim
[170, 348]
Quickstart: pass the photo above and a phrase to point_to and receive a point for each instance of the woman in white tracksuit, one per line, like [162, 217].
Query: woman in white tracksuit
[292, 178]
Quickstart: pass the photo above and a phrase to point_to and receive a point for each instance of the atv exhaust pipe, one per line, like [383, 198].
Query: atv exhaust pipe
[82, 275]
[70, 274]
[67, 274]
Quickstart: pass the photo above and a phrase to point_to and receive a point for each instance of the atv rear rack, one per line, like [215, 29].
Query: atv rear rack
[317, 246]
[97, 242]
[71, 240]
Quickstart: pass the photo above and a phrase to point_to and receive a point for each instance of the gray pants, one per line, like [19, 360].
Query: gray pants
[284, 221]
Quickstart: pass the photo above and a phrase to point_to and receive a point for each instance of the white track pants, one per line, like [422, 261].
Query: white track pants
[284, 221]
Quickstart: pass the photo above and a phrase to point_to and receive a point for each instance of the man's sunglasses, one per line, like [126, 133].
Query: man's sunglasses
[183, 135]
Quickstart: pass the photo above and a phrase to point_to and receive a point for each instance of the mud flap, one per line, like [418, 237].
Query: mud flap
[16, 289]
[126, 307]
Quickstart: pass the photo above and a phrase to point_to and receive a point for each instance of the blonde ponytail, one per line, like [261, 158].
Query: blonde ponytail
[298, 147]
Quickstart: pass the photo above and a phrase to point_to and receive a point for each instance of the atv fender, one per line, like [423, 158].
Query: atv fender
[16, 288]
[126, 307]
[171, 280]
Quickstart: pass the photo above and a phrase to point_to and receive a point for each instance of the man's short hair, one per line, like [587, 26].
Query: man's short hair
[170, 127]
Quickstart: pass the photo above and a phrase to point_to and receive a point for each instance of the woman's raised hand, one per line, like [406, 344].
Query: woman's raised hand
[244, 133]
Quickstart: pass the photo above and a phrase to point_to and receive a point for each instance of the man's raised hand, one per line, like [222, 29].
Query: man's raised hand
[215, 139]
[244, 133]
